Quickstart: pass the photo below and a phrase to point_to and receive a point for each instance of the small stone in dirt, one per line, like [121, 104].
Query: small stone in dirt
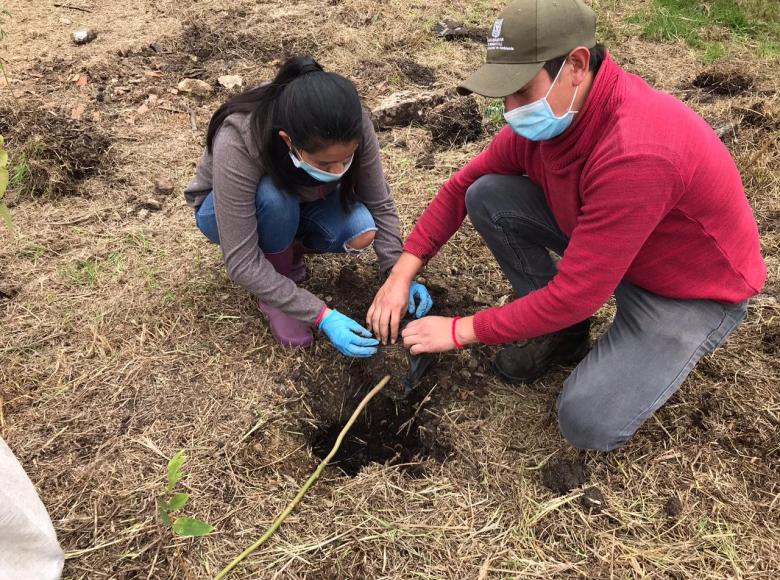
[231, 81]
[452, 30]
[195, 87]
[455, 122]
[400, 109]
[593, 500]
[563, 475]
[729, 83]
[143, 214]
[151, 204]
[673, 507]
[84, 35]
[163, 185]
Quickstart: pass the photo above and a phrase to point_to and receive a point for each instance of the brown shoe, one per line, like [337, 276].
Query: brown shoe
[526, 362]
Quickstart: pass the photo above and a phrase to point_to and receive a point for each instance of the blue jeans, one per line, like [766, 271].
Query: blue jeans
[321, 225]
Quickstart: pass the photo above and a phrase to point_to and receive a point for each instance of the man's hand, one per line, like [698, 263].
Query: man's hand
[434, 334]
[390, 303]
[388, 308]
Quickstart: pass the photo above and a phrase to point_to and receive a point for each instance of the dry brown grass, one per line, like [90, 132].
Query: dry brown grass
[125, 342]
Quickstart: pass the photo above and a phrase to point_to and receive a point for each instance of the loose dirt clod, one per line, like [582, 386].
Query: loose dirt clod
[593, 500]
[455, 122]
[563, 475]
[719, 82]
[673, 506]
[453, 30]
[771, 341]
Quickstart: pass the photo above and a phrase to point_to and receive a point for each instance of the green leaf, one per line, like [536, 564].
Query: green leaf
[165, 517]
[178, 501]
[191, 527]
[3, 158]
[174, 469]
[3, 181]
[6, 215]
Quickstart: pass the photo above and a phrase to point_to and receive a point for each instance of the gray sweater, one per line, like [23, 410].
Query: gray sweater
[233, 170]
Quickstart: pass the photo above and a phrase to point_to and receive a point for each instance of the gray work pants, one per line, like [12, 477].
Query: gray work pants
[652, 345]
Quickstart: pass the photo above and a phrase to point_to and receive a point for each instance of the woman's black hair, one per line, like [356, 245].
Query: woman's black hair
[315, 108]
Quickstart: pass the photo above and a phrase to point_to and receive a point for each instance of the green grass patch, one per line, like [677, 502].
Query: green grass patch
[710, 24]
[91, 271]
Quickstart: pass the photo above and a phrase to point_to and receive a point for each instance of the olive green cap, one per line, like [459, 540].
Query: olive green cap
[527, 34]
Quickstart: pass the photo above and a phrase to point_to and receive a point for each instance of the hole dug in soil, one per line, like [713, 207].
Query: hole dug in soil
[390, 430]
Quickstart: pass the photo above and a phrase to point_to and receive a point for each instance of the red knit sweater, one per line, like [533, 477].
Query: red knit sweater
[645, 191]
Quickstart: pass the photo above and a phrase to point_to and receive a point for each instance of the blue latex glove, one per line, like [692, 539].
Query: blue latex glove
[419, 294]
[348, 336]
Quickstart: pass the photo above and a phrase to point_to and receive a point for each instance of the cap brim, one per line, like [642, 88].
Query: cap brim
[499, 80]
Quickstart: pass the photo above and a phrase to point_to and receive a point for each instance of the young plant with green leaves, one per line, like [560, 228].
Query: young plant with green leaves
[4, 213]
[172, 502]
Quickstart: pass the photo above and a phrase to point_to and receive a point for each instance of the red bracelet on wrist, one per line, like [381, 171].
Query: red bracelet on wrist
[454, 337]
[320, 316]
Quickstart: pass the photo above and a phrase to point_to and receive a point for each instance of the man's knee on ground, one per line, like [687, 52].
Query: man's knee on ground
[476, 196]
[587, 427]
[362, 241]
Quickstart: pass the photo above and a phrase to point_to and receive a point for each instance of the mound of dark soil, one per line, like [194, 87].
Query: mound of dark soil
[455, 122]
[720, 82]
[229, 37]
[418, 73]
[50, 153]
[563, 475]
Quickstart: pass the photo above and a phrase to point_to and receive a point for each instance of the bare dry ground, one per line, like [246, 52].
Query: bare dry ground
[123, 341]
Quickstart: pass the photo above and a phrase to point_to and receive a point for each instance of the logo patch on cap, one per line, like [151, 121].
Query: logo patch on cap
[496, 41]
[497, 28]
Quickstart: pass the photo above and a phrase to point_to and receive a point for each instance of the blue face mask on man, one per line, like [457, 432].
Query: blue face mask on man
[536, 121]
[319, 174]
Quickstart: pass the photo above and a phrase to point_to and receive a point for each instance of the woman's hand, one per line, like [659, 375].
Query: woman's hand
[435, 334]
[348, 336]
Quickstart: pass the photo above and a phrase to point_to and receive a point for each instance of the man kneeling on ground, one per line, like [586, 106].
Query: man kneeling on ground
[631, 188]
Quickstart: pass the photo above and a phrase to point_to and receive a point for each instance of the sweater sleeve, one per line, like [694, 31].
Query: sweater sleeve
[623, 202]
[235, 179]
[374, 191]
[445, 214]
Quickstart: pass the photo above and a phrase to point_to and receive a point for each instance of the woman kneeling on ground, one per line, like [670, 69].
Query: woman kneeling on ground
[292, 167]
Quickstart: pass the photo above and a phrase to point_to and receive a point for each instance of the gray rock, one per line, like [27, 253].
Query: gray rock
[151, 204]
[163, 185]
[84, 35]
[231, 81]
[195, 87]
[400, 109]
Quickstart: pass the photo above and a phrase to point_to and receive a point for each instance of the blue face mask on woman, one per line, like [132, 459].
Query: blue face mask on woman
[319, 174]
[536, 121]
